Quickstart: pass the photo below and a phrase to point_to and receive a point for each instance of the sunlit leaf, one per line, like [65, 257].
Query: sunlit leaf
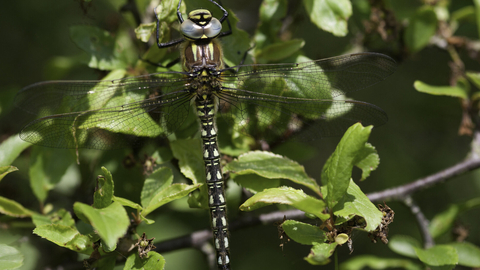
[337, 170]
[329, 15]
[356, 203]
[10, 257]
[468, 254]
[474, 77]
[13, 208]
[404, 245]
[4, 170]
[190, 158]
[144, 31]
[60, 217]
[320, 253]
[440, 255]
[303, 233]
[153, 261]
[156, 182]
[288, 196]
[110, 222]
[271, 166]
[66, 237]
[360, 262]
[453, 91]
[368, 160]
[11, 148]
[172, 192]
[103, 195]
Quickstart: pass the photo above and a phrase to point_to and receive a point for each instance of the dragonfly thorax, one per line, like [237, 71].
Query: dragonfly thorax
[201, 57]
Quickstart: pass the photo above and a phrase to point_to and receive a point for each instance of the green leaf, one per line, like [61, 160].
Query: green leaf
[320, 253]
[144, 31]
[171, 193]
[453, 91]
[270, 16]
[103, 195]
[271, 166]
[341, 238]
[110, 222]
[199, 198]
[337, 170]
[66, 237]
[404, 245]
[13, 208]
[105, 53]
[477, 13]
[10, 257]
[98, 99]
[289, 196]
[153, 261]
[474, 78]
[61, 217]
[374, 262]
[11, 148]
[231, 141]
[156, 182]
[466, 13]
[468, 254]
[279, 51]
[356, 203]
[47, 169]
[167, 10]
[443, 221]
[440, 255]
[190, 158]
[126, 202]
[303, 233]
[4, 170]
[329, 15]
[421, 28]
[368, 160]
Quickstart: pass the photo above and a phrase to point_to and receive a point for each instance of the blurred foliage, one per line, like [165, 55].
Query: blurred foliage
[436, 43]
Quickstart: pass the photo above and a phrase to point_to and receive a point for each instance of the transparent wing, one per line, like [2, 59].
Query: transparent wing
[104, 114]
[266, 99]
[278, 98]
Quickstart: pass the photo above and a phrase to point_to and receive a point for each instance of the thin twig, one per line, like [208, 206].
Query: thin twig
[400, 192]
[422, 221]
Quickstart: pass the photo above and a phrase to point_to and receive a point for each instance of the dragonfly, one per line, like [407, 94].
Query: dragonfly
[263, 100]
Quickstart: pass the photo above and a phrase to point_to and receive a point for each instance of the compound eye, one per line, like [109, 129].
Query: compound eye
[213, 28]
[191, 30]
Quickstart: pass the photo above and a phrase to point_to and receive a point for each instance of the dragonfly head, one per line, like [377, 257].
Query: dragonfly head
[201, 25]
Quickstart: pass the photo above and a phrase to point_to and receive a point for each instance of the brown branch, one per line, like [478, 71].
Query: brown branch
[198, 238]
[400, 192]
[422, 222]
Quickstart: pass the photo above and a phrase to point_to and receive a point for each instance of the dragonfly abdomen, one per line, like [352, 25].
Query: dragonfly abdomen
[216, 189]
